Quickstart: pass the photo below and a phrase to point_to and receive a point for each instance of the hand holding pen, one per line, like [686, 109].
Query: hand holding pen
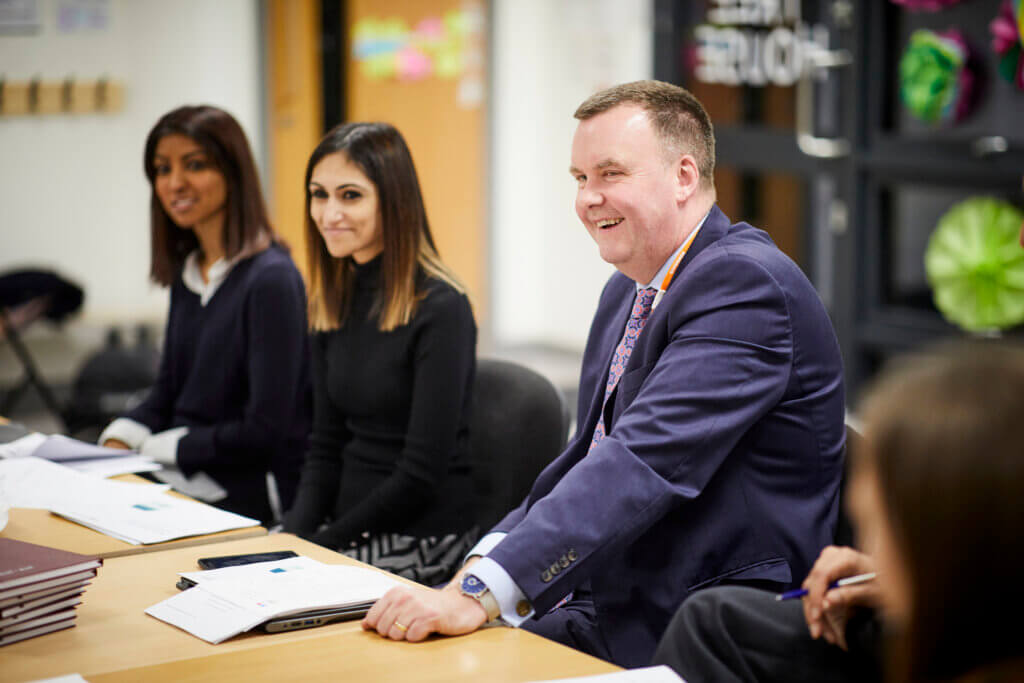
[827, 607]
[848, 581]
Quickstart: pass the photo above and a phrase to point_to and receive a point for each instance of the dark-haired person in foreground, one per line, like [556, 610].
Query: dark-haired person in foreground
[231, 402]
[936, 496]
[710, 436]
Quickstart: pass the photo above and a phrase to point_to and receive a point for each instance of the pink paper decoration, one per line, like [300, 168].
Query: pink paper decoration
[413, 65]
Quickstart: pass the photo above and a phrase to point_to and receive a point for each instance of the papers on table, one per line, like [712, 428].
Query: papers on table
[26, 445]
[29, 482]
[232, 600]
[111, 467]
[56, 447]
[134, 513]
[79, 455]
[649, 674]
[150, 517]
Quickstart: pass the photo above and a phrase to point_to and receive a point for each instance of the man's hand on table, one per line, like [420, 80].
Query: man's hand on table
[422, 611]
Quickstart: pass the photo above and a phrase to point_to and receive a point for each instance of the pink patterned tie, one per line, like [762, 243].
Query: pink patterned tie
[637, 320]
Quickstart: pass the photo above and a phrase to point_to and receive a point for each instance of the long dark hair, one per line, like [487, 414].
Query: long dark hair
[380, 152]
[943, 432]
[246, 226]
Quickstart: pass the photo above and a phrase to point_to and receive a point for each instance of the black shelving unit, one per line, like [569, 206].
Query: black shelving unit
[864, 215]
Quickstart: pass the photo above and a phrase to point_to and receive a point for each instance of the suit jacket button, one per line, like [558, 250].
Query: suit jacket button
[522, 608]
[572, 555]
[563, 562]
[555, 569]
[545, 576]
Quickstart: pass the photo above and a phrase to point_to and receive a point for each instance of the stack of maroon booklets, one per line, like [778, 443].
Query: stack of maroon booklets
[39, 588]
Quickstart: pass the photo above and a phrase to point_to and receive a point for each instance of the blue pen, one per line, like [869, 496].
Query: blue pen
[849, 580]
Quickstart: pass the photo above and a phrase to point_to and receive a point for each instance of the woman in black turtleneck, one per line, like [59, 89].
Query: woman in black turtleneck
[387, 478]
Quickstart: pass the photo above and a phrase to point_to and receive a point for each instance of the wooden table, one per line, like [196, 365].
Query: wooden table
[44, 528]
[114, 640]
[494, 655]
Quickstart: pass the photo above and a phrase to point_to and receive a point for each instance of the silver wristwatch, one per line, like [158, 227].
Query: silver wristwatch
[478, 590]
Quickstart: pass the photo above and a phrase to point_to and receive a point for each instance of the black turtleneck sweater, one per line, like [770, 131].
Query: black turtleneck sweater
[389, 448]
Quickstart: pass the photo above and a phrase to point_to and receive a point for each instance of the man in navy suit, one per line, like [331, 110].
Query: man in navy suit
[710, 440]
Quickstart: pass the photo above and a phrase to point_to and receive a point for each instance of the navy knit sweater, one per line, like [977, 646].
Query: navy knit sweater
[236, 373]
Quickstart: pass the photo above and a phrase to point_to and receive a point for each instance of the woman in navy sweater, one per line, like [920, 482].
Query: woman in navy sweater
[387, 479]
[231, 402]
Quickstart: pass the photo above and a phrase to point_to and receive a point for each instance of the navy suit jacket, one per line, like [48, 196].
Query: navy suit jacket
[724, 451]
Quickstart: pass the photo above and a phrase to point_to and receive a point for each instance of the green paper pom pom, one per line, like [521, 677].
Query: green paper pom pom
[930, 70]
[975, 265]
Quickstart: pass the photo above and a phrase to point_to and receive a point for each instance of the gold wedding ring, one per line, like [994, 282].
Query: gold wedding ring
[401, 627]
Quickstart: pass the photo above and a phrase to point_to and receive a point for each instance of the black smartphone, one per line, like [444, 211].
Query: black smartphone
[248, 558]
[234, 561]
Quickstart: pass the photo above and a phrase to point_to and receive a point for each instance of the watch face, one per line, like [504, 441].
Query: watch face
[472, 585]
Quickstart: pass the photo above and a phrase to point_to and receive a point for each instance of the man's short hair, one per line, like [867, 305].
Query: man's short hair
[678, 118]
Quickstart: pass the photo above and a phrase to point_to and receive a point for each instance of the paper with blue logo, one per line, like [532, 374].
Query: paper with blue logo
[133, 513]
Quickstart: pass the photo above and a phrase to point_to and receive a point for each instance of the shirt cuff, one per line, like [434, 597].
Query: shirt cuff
[515, 608]
[127, 430]
[163, 447]
[486, 544]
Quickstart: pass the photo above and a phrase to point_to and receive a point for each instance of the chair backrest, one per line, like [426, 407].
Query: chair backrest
[519, 423]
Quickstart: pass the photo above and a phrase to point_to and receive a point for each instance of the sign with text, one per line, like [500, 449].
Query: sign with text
[756, 42]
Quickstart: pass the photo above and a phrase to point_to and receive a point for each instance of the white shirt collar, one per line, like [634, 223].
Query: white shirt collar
[192, 276]
[655, 282]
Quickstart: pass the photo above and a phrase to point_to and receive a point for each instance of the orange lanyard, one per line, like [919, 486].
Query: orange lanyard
[672, 269]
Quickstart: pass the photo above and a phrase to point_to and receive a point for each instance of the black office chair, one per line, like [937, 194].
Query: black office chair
[25, 297]
[519, 423]
[111, 382]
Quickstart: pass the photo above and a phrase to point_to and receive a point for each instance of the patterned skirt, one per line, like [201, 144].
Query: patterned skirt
[431, 561]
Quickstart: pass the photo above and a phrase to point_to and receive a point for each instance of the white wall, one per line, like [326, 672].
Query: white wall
[547, 58]
[72, 190]
[74, 197]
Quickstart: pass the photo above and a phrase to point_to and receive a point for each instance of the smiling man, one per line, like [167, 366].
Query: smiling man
[710, 435]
